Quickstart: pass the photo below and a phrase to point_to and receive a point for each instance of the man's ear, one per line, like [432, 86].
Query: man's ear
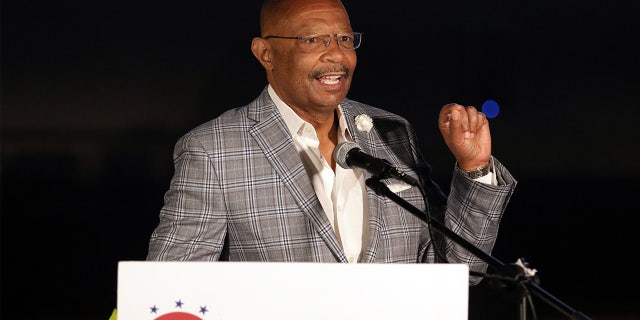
[262, 51]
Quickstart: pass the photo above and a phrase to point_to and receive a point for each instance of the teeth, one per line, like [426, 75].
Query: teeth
[330, 79]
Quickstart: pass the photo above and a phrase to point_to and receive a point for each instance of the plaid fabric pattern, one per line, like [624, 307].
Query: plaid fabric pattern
[240, 193]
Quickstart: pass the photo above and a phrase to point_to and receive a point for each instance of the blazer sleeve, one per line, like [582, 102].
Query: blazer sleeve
[192, 222]
[474, 210]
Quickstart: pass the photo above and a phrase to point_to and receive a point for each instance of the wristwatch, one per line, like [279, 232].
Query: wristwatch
[478, 172]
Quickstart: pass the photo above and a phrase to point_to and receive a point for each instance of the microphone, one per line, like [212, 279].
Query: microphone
[349, 155]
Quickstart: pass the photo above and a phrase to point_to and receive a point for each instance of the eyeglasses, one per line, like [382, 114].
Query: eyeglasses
[317, 43]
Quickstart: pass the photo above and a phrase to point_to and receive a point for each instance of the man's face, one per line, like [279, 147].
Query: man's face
[311, 81]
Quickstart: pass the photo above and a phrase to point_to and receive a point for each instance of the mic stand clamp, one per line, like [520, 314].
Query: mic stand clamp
[518, 273]
[520, 276]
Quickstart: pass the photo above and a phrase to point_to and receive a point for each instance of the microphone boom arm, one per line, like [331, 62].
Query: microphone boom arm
[381, 189]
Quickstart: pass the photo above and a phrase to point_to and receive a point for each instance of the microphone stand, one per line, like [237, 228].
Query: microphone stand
[506, 270]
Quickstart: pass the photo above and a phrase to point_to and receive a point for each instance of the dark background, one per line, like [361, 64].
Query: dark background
[95, 94]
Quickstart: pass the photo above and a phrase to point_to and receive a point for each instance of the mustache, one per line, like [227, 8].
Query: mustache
[334, 68]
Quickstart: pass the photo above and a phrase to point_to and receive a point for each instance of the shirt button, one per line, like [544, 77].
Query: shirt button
[352, 259]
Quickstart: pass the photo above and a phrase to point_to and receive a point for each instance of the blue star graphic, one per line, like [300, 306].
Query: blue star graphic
[179, 304]
[203, 310]
[154, 309]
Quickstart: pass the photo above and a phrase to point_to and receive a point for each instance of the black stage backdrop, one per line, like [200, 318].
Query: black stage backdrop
[95, 94]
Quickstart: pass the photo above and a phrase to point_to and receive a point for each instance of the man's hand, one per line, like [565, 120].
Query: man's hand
[466, 132]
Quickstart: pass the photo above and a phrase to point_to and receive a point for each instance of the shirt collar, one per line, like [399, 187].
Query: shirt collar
[295, 123]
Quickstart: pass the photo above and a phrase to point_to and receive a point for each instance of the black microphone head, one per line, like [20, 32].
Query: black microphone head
[341, 151]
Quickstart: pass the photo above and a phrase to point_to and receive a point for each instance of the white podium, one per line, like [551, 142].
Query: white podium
[287, 291]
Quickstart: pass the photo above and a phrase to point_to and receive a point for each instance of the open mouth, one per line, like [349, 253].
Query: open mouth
[330, 80]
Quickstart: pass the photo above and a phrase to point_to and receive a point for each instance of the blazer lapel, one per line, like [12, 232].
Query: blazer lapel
[364, 140]
[271, 134]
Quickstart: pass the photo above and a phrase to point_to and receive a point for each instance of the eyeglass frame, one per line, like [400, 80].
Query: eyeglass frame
[326, 43]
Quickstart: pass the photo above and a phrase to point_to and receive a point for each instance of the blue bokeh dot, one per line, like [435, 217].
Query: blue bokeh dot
[490, 108]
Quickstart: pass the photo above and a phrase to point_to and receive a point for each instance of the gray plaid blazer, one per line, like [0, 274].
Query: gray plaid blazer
[241, 193]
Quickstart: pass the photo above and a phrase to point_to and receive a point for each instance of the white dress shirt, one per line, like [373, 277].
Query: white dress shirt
[341, 193]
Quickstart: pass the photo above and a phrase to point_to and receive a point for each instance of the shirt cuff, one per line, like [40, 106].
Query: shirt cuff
[489, 178]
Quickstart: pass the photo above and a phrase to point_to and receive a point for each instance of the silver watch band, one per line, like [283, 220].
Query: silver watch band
[478, 172]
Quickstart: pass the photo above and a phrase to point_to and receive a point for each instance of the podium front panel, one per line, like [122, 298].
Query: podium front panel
[287, 291]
